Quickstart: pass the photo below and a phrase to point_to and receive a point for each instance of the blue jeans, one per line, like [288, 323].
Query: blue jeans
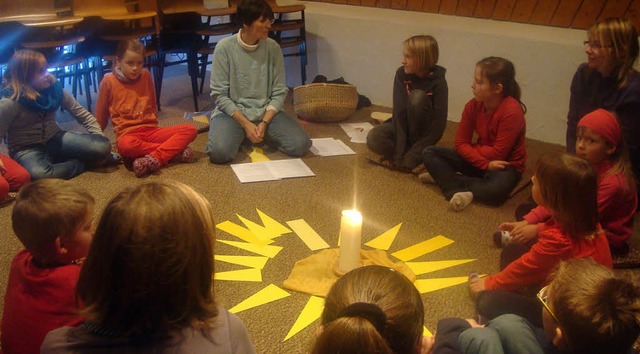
[226, 137]
[63, 156]
[454, 174]
[509, 334]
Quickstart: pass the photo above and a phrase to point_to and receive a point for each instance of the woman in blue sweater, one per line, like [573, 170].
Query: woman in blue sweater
[248, 87]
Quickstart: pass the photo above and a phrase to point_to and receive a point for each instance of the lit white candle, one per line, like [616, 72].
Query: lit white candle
[350, 235]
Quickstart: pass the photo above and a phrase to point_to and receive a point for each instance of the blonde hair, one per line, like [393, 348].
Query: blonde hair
[424, 49]
[23, 65]
[597, 312]
[153, 256]
[380, 287]
[569, 188]
[623, 39]
[47, 209]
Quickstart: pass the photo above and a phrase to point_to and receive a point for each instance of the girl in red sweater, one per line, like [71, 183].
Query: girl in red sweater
[486, 169]
[600, 142]
[566, 186]
[127, 97]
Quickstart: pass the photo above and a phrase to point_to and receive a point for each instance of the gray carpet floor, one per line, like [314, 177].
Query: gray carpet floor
[385, 199]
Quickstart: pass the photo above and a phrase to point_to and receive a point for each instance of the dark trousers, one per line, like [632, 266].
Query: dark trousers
[395, 137]
[493, 303]
[454, 174]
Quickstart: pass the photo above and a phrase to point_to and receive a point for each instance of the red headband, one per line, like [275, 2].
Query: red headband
[604, 123]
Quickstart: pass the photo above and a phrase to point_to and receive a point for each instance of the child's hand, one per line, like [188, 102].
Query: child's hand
[476, 285]
[474, 323]
[511, 226]
[497, 165]
[525, 233]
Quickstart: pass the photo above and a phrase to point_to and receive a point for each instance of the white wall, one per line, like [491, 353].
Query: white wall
[364, 45]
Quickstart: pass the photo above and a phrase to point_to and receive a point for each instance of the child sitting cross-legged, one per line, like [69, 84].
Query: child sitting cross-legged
[53, 220]
[127, 96]
[566, 186]
[600, 142]
[586, 310]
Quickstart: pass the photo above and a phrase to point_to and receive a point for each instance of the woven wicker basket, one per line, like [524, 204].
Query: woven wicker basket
[325, 103]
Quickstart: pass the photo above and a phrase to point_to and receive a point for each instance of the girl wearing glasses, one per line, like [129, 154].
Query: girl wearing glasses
[248, 87]
[566, 186]
[608, 80]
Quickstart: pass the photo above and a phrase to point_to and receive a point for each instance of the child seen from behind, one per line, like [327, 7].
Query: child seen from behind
[586, 309]
[153, 256]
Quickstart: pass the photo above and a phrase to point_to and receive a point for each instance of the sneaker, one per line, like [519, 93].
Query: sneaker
[460, 201]
[501, 238]
[185, 156]
[426, 178]
[145, 165]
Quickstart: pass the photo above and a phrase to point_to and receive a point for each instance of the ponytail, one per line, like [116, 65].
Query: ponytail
[353, 335]
[501, 71]
[371, 309]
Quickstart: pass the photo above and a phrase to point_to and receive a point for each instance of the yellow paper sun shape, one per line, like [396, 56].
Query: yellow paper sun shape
[258, 239]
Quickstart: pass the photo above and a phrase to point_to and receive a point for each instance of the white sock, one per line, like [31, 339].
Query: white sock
[460, 201]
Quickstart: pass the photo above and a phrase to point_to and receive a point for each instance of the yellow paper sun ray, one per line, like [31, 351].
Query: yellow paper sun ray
[256, 154]
[311, 312]
[422, 248]
[266, 250]
[259, 231]
[272, 225]
[433, 284]
[242, 233]
[384, 241]
[427, 267]
[426, 332]
[308, 235]
[269, 294]
[257, 262]
[251, 274]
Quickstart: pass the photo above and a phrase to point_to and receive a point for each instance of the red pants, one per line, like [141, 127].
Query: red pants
[15, 177]
[161, 143]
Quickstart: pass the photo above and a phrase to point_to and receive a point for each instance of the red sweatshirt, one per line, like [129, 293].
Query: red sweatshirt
[616, 206]
[38, 300]
[552, 247]
[501, 134]
[130, 105]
